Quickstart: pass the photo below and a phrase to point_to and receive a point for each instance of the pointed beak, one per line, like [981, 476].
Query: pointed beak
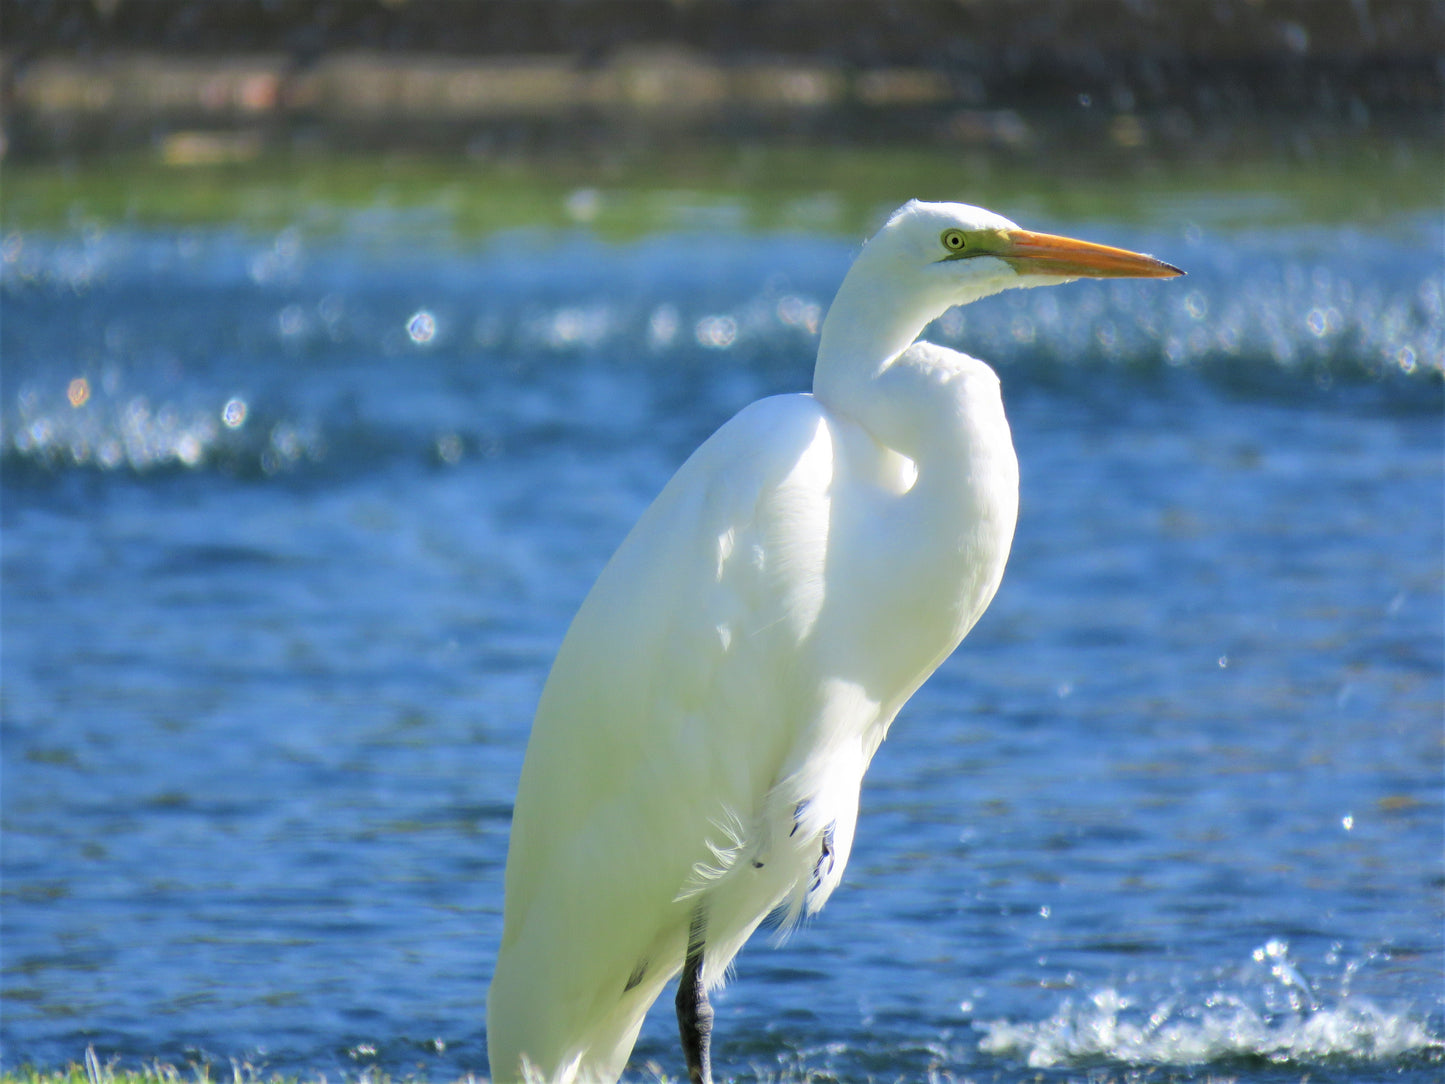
[1031, 253]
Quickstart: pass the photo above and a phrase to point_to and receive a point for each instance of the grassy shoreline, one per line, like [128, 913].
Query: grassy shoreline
[819, 189]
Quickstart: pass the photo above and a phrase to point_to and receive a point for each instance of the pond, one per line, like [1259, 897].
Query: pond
[307, 467]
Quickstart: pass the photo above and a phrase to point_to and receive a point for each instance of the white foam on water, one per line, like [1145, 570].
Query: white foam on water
[1224, 1025]
[1102, 1027]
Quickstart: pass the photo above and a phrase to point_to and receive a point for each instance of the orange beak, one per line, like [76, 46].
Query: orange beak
[1031, 253]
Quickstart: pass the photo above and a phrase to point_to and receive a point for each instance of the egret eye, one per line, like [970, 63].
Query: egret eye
[955, 241]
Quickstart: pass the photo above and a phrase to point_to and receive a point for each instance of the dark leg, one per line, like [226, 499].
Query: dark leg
[694, 1014]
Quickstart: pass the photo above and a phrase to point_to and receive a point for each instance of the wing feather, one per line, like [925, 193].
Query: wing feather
[667, 706]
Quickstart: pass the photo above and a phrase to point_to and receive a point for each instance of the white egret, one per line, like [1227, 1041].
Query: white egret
[698, 750]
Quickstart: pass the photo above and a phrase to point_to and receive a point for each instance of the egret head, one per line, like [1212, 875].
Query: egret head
[929, 257]
[962, 253]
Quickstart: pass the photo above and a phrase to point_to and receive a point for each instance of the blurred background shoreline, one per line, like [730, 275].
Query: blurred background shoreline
[608, 114]
[229, 81]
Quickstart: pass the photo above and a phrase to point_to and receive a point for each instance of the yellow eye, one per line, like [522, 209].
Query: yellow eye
[955, 240]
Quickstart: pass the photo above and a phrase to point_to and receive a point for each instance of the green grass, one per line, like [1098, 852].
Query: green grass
[94, 1071]
[826, 189]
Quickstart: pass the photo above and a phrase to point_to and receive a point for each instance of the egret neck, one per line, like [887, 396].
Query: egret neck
[877, 315]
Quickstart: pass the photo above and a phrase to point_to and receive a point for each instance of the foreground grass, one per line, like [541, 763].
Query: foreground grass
[93, 1071]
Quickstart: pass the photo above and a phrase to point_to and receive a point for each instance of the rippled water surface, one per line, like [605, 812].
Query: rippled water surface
[294, 521]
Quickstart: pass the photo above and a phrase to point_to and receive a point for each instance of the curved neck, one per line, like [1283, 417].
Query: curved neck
[880, 310]
[870, 322]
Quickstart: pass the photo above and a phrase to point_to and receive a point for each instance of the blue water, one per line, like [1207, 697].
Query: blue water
[292, 525]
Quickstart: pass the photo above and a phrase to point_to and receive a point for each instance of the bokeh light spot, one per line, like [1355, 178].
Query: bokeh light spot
[422, 327]
[717, 332]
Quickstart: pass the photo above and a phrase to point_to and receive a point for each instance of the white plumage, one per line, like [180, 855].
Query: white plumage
[697, 754]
